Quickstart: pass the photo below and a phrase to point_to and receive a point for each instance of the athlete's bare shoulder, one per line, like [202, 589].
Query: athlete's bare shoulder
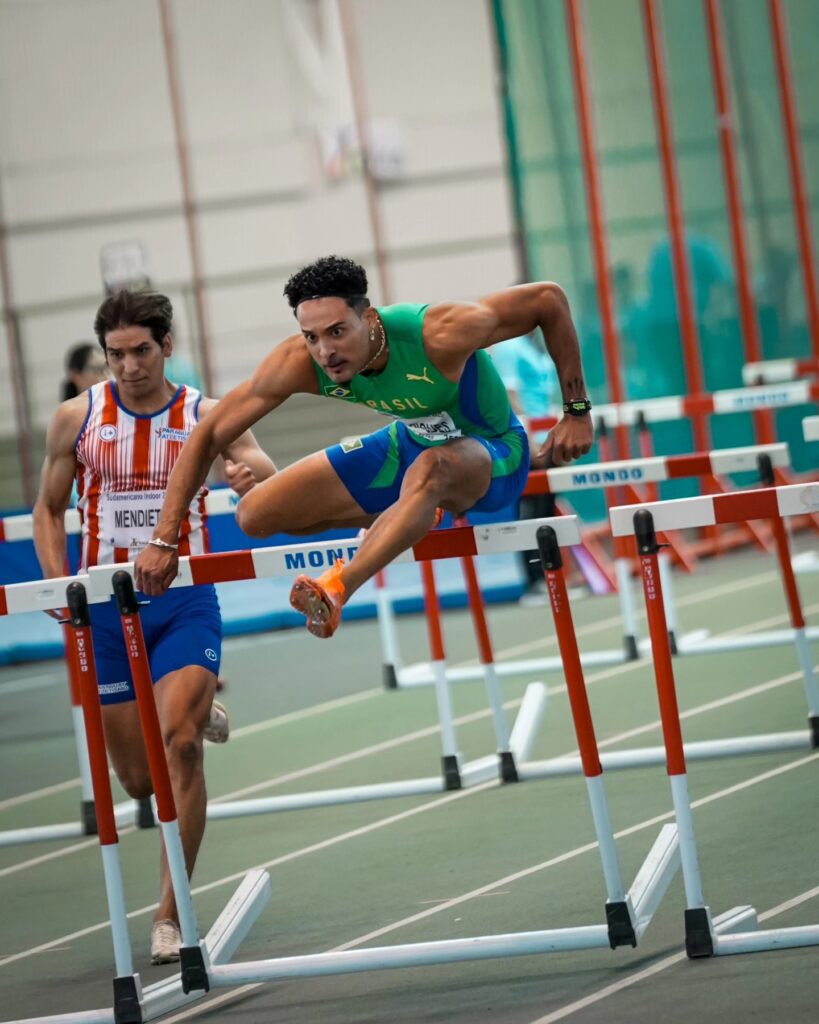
[67, 422]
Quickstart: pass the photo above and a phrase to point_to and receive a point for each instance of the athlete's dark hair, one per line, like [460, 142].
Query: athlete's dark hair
[330, 276]
[76, 360]
[134, 309]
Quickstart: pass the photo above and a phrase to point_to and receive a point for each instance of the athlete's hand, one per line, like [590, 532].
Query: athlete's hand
[239, 476]
[567, 441]
[155, 569]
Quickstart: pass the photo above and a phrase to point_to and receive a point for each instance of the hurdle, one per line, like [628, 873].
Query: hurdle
[778, 371]
[140, 813]
[288, 560]
[621, 474]
[131, 1004]
[702, 938]
[626, 913]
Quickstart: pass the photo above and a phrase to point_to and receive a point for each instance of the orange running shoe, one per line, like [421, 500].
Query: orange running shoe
[320, 600]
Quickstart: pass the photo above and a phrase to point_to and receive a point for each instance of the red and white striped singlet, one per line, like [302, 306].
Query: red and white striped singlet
[124, 460]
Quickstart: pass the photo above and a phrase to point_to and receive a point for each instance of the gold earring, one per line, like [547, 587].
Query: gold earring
[372, 332]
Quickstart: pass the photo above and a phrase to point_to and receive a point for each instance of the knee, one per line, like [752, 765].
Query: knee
[429, 472]
[248, 517]
[135, 782]
[183, 747]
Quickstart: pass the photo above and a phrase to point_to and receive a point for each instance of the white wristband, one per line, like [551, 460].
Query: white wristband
[157, 543]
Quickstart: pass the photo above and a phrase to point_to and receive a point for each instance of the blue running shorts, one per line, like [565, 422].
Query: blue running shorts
[181, 628]
[372, 467]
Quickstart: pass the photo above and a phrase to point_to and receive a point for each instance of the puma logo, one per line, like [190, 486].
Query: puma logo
[423, 376]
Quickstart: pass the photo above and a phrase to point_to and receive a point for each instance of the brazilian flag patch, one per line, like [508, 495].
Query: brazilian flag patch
[351, 444]
[336, 391]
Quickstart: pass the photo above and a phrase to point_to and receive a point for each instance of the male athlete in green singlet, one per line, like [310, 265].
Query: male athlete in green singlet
[454, 442]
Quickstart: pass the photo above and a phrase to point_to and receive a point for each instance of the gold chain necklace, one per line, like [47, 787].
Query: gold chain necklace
[381, 347]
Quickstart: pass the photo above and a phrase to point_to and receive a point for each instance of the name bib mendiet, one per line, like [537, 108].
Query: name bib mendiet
[128, 518]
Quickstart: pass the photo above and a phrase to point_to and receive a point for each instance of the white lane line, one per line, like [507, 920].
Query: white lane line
[616, 620]
[38, 794]
[246, 730]
[32, 683]
[509, 652]
[227, 997]
[661, 965]
[321, 766]
[403, 816]
[303, 713]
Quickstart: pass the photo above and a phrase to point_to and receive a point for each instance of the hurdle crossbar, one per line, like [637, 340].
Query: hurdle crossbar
[778, 371]
[810, 428]
[680, 407]
[627, 472]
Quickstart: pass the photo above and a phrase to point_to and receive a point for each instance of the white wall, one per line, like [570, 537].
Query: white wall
[87, 156]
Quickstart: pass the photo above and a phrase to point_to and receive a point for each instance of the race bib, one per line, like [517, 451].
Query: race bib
[438, 427]
[128, 518]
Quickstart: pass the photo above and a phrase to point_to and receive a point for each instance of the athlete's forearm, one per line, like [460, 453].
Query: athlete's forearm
[563, 346]
[49, 541]
[187, 476]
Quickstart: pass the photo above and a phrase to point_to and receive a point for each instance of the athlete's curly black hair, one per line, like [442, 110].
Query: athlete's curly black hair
[334, 276]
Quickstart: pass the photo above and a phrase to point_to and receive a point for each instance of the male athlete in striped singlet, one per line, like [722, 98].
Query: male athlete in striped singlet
[454, 442]
[119, 441]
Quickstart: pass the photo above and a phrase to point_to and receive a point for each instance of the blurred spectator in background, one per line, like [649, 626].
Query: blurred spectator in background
[182, 371]
[531, 380]
[84, 366]
[714, 300]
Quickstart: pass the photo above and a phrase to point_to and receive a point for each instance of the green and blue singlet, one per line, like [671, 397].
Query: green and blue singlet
[427, 410]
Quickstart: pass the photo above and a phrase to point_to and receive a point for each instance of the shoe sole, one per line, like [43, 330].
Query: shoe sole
[169, 958]
[308, 600]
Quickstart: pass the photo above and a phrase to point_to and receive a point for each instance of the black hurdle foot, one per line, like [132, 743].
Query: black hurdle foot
[452, 773]
[389, 677]
[631, 648]
[698, 940]
[508, 768]
[621, 929]
[193, 970]
[89, 818]
[813, 723]
[145, 814]
[127, 1009]
[672, 642]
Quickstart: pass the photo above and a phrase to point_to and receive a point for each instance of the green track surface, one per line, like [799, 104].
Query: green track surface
[396, 866]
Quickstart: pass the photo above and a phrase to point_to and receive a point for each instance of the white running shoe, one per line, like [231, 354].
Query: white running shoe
[165, 942]
[218, 728]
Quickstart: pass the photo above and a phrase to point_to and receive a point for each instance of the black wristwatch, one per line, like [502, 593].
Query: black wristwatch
[577, 407]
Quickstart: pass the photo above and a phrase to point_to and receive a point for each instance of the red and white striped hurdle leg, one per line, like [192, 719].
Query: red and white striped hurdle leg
[704, 937]
[770, 503]
[194, 967]
[127, 987]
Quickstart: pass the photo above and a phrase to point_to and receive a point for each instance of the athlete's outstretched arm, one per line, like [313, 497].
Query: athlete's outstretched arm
[56, 481]
[286, 371]
[453, 331]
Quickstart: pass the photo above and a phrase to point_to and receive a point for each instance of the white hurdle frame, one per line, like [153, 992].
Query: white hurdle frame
[19, 528]
[596, 476]
[627, 913]
[741, 934]
[288, 560]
